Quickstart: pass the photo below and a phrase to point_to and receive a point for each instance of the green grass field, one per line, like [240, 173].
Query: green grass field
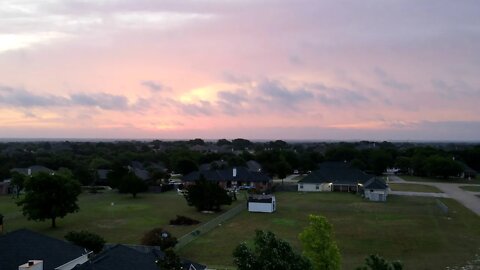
[471, 188]
[124, 222]
[413, 187]
[406, 228]
[440, 180]
[411, 229]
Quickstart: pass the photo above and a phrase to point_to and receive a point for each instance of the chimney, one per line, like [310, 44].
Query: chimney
[32, 265]
[29, 171]
[234, 172]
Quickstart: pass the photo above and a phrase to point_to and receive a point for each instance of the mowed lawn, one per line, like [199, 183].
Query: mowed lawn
[471, 188]
[123, 222]
[411, 229]
[413, 187]
[441, 180]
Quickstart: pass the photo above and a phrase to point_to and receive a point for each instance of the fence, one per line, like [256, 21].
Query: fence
[442, 206]
[212, 224]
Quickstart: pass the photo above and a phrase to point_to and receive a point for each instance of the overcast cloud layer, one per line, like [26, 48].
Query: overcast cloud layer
[379, 70]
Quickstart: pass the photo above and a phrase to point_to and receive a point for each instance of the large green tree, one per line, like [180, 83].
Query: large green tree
[207, 196]
[268, 253]
[130, 183]
[49, 197]
[319, 245]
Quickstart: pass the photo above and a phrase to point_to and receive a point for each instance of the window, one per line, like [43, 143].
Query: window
[317, 187]
[301, 186]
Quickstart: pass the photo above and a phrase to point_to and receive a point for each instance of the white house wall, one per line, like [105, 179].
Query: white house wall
[374, 195]
[260, 207]
[314, 187]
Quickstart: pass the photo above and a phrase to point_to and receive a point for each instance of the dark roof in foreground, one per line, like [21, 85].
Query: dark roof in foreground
[120, 257]
[20, 246]
[337, 173]
[375, 183]
[127, 257]
[242, 174]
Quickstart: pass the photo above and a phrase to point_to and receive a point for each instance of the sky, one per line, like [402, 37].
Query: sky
[257, 69]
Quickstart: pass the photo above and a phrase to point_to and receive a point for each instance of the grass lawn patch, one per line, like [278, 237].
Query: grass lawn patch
[440, 180]
[413, 187]
[471, 188]
[123, 222]
[411, 229]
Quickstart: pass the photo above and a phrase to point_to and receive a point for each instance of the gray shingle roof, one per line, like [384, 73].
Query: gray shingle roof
[20, 246]
[120, 257]
[375, 183]
[337, 173]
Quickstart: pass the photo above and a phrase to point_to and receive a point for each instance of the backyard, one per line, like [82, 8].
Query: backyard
[123, 222]
[413, 230]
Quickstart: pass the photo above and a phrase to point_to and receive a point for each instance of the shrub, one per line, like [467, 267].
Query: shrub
[86, 240]
[182, 220]
[159, 237]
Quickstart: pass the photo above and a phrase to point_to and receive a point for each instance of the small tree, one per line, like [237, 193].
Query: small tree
[86, 240]
[375, 262]
[130, 183]
[159, 237]
[49, 197]
[319, 245]
[269, 253]
[170, 261]
[207, 196]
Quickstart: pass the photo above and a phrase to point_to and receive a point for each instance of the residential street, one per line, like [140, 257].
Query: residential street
[452, 190]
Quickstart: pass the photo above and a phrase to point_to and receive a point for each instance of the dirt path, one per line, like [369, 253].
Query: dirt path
[452, 190]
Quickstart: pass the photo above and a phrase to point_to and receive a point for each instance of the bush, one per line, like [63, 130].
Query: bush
[182, 220]
[159, 237]
[86, 240]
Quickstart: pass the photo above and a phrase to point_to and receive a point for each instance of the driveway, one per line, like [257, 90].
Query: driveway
[452, 190]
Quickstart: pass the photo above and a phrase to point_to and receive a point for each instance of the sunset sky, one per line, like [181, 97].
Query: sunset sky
[257, 69]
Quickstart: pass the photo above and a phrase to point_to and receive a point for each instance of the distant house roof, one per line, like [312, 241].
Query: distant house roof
[375, 183]
[103, 174]
[142, 174]
[32, 170]
[254, 166]
[241, 174]
[337, 173]
[137, 165]
[20, 246]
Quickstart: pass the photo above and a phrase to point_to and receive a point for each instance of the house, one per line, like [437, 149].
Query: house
[236, 177]
[27, 248]
[33, 170]
[341, 177]
[5, 187]
[129, 257]
[102, 176]
[334, 176]
[137, 168]
[467, 172]
[375, 189]
[254, 166]
[262, 203]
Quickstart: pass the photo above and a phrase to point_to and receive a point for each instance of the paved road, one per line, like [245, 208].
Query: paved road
[452, 190]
